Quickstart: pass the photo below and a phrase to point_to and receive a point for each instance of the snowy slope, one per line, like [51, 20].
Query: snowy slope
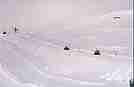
[62, 68]
[7, 80]
[38, 59]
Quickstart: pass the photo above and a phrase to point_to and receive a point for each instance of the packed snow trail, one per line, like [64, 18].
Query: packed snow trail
[41, 41]
[60, 44]
[37, 39]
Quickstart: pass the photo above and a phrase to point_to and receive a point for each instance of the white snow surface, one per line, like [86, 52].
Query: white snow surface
[35, 55]
[34, 60]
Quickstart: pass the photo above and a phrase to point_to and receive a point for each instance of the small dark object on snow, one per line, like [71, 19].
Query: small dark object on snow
[16, 29]
[66, 48]
[97, 52]
[116, 17]
[4, 32]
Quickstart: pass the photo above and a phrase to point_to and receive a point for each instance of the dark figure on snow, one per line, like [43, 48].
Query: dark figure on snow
[66, 48]
[97, 52]
[4, 32]
[16, 29]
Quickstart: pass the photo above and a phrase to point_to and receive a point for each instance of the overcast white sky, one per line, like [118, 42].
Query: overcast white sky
[60, 14]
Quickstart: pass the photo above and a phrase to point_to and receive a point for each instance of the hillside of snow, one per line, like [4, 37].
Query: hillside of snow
[34, 56]
[26, 58]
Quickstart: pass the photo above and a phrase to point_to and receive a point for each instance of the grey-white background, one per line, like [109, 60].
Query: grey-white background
[58, 14]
